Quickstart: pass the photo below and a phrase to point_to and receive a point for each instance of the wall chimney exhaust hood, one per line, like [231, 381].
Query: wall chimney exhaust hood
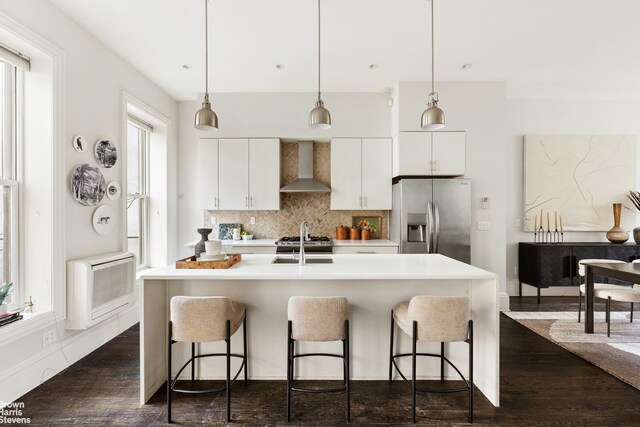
[305, 182]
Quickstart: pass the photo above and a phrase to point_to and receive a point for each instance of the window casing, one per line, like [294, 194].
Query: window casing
[10, 134]
[138, 136]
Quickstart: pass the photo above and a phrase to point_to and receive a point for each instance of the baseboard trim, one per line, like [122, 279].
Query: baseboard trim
[50, 361]
[503, 300]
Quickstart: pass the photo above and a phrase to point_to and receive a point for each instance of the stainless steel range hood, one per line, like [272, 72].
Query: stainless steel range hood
[305, 182]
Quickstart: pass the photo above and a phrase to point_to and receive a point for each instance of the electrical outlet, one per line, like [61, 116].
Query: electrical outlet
[484, 225]
[48, 337]
[253, 220]
[214, 220]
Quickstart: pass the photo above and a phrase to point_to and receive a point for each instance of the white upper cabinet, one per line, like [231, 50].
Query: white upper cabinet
[360, 174]
[239, 174]
[207, 174]
[429, 154]
[264, 174]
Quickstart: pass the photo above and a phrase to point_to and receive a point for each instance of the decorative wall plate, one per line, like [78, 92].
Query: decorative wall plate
[103, 220]
[87, 185]
[113, 190]
[80, 143]
[106, 153]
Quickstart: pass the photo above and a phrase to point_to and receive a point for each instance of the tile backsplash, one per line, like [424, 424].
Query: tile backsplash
[297, 207]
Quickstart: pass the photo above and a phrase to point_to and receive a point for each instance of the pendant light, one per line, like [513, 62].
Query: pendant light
[319, 118]
[433, 116]
[206, 118]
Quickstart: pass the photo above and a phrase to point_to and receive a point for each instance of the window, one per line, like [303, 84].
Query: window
[138, 135]
[10, 97]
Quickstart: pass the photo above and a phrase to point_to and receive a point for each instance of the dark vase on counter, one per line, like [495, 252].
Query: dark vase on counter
[204, 232]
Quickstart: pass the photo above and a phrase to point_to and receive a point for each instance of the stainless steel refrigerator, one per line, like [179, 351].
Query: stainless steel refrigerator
[432, 216]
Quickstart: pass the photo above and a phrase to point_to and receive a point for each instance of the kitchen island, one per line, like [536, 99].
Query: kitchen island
[373, 284]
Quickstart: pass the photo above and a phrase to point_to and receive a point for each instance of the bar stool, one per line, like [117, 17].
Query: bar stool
[318, 319]
[433, 319]
[205, 319]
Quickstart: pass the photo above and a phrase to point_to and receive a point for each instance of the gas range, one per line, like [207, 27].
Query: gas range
[314, 244]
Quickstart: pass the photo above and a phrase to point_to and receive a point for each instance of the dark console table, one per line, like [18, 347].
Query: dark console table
[556, 264]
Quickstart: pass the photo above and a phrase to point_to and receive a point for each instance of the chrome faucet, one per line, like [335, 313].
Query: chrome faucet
[304, 235]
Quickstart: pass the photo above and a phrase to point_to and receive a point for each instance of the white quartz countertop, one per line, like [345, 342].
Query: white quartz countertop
[371, 242]
[252, 242]
[349, 267]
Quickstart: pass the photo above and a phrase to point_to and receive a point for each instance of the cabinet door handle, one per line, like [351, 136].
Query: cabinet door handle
[365, 252]
[365, 201]
[360, 201]
[250, 201]
[215, 202]
[435, 166]
[246, 201]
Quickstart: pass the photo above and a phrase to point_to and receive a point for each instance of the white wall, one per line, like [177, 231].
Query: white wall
[281, 115]
[582, 117]
[93, 83]
[479, 109]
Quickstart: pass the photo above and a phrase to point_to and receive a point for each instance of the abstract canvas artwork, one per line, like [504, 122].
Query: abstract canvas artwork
[580, 177]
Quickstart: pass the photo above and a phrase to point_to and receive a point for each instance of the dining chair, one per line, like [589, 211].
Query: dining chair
[596, 286]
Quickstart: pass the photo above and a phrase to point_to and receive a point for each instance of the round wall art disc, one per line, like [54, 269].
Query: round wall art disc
[113, 190]
[103, 220]
[80, 143]
[106, 153]
[87, 185]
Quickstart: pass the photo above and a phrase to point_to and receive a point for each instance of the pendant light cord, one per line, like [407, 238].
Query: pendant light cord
[433, 67]
[318, 50]
[206, 47]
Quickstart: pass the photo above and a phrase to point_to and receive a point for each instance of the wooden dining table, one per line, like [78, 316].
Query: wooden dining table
[628, 272]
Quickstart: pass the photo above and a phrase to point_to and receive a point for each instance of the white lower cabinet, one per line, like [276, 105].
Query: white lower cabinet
[361, 174]
[365, 249]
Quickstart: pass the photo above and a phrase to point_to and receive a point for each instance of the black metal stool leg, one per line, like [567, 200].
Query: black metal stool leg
[193, 361]
[289, 365]
[631, 314]
[441, 361]
[470, 371]
[244, 337]
[347, 370]
[609, 317]
[391, 348]
[579, 305]
[169, 374]
[413, 372]
[228, 371]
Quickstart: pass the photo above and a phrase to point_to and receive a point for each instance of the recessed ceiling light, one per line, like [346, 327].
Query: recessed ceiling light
[373, 66]
[279, 66]
[186, 67]
[466, 66]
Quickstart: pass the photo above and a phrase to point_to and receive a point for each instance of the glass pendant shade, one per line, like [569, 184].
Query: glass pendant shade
[206, 118]
[432, 117]
[320, 118]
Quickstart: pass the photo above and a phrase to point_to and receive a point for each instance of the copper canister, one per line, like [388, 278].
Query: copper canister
[354, 234]
[342, 233]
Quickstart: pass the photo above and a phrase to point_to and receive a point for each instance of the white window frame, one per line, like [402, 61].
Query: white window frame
[144, 136]
[11, 149]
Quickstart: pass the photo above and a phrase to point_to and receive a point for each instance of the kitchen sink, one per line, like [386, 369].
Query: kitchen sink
[283, 260]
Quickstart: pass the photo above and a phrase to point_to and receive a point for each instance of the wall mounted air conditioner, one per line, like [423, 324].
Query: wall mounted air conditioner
[99, 288]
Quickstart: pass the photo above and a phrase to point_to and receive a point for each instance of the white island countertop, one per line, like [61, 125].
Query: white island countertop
[344, 267]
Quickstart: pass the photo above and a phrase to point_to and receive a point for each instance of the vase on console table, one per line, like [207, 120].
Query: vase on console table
[617, 234]
[204, 232]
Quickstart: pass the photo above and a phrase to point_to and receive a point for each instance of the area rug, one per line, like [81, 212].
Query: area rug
[618, 355]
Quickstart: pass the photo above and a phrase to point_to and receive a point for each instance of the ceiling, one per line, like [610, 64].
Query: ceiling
[577, 45]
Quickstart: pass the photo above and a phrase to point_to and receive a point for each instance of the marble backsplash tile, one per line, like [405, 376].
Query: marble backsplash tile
[297, 207]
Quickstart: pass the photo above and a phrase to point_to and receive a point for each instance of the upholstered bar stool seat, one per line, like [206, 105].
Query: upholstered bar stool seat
[319, 319]
[434, 319]
[199, 320]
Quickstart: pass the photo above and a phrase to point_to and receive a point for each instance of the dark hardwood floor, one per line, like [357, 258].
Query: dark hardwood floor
[541, 384]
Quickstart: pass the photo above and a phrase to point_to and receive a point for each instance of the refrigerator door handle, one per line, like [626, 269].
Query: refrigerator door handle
[429, 237]
[436, 236]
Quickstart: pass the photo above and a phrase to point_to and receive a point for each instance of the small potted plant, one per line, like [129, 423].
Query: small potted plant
[5, 290]
[246, 235]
